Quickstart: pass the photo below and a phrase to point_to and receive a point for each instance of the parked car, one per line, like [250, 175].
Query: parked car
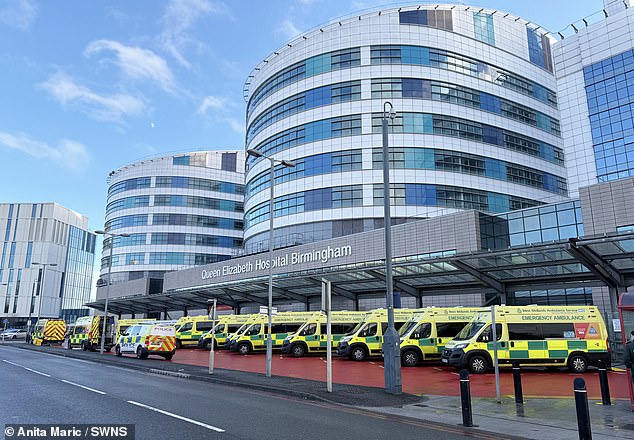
[14, 334]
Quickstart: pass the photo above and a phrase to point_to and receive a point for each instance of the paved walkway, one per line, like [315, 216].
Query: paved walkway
[540, 419]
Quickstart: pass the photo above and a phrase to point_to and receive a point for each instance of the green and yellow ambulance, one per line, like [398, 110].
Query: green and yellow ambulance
[572, 336]
[87, 333]
[226, 325]
[49, 331]
[255, 335]
[312, 335]
[423, 338]
[190, 329]
[367, 338]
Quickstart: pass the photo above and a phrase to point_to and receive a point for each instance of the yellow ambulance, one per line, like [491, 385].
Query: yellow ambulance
[571, 336]
[232, 338]
[311, 336]
[190, 329]
[226, 325]
[49, 331]
[87, 333]
[255, 336]
[425, 335]
[366, 339]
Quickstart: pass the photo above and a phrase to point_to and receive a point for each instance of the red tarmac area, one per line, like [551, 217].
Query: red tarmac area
[424, 379]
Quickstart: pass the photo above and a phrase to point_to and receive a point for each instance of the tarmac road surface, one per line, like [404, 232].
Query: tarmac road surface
[41, 388]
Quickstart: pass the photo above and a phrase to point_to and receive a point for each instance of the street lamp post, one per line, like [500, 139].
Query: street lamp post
[105, 308]
[286, 163]
[39, 287]
[5, 293]
[391, 341]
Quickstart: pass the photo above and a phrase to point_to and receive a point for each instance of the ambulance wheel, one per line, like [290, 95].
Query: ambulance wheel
[84, 346]
[178, 344]
[207, 344]
[141, 353]
[117, 350]
[578, 363]
[358, 354]
[244, 348]
[298, 350]
[409, 358]
[477, 364]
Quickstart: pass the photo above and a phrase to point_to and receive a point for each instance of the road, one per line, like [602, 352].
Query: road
[42, 388]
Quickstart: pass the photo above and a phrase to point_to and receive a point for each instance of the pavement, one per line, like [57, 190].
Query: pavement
[553, 418]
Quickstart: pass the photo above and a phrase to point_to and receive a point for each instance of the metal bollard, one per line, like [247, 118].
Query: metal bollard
[465, 397]
[605, 387]
[517, 383]
[583, 413]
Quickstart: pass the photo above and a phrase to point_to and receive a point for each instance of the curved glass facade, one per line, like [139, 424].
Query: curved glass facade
[179, 211]
[477, 125]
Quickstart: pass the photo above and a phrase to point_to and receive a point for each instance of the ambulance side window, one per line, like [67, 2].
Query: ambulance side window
[369, 330]
[203, 326]
[186, 327]
[558, 330]
[449, 329]
[487, 334]
[309, 330]
[422, 331]
[232, 328]
[254, 330]
[525, 332]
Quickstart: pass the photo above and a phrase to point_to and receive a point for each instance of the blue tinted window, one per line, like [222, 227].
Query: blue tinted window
[12, 254]
[29, 252]
[318, 97]
[489, 102]
[413, 88]
[416, 55]
[180, 160]
[318, 64]
[535, 52]
[420, 194]
[495, 169]
[483, 27]
[498, 202]
[318, 199]
[413, 17]
[611, 104]
[316, 131]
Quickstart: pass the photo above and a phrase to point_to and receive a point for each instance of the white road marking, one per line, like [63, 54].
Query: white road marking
[381, 366]
[37, 372]
[176, 416]
[82, 386]
[26, 368]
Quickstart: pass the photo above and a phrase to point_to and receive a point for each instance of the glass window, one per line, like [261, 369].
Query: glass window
[369, 330]
[203, 326]
[449, 329]
[422, 331]
[487, 333]
[525, 332]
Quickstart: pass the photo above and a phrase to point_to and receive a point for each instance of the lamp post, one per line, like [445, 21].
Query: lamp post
[40, 293]
[286, 163]
[5, 293]
[105, 309]
[391, 341]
